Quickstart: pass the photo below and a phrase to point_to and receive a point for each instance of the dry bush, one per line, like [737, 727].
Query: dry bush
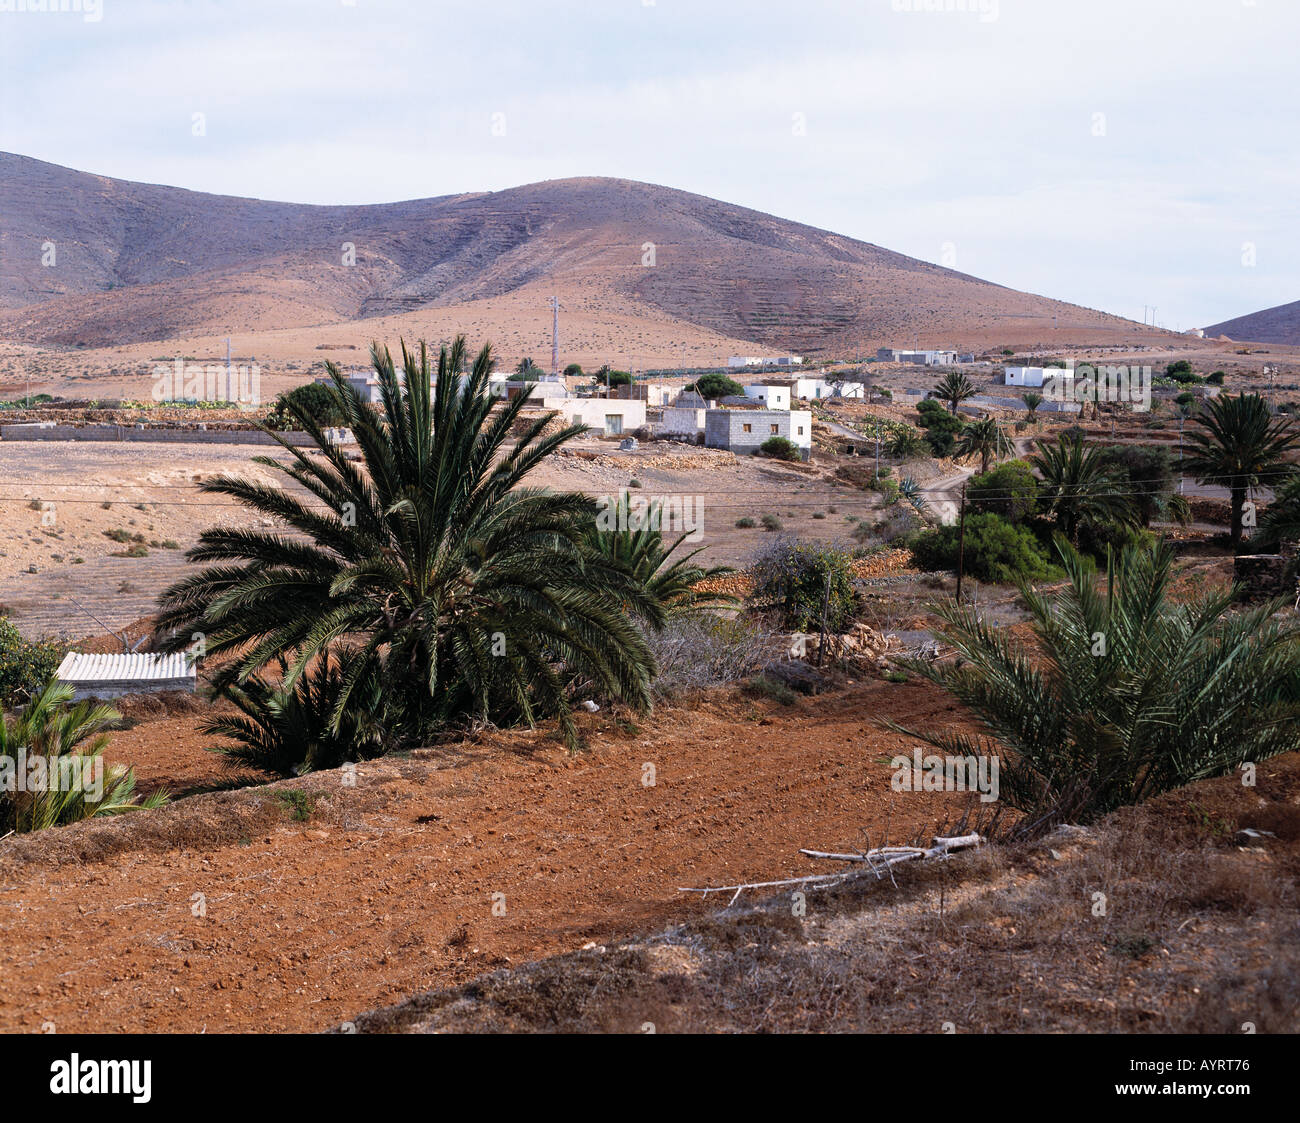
[700, 650]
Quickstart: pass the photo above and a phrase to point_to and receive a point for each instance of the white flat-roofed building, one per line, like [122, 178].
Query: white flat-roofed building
[1034, 376]
[772, 397]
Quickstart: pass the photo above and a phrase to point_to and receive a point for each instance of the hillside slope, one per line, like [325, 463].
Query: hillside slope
[138, 262]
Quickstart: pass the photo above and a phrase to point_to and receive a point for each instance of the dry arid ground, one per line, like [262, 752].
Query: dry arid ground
[385, 889]
[1161, 919]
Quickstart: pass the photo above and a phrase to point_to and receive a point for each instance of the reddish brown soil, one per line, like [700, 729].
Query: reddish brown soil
[387, 889]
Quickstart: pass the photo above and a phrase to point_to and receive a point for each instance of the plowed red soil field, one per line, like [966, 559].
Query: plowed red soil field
[223, 912]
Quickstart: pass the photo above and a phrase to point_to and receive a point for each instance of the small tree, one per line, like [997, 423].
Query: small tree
[25, 665]
[1238, 444]
[711, 387]
[954, 388]
[797, 577]
[314, 399]
[985, 439]
[1032, 400]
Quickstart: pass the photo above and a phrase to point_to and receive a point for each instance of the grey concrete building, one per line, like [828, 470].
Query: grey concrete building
[744, 430]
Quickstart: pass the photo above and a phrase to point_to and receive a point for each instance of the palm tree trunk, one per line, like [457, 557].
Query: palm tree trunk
[1238, 502]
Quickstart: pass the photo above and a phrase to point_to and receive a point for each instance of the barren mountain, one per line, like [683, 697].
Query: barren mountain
[92, 262]
[1272, 325]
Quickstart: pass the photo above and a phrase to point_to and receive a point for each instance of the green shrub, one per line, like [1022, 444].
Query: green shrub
[711, 387]
[315, 399]
[994, 550]
[779, 448]
[746, 523]
[25, 665]
[794, 575]
[771, 522]
[1216, 379]
[1010, 491]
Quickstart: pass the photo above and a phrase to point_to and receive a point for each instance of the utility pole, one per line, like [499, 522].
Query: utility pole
[555, 336]
[228, 397]
[961, 543]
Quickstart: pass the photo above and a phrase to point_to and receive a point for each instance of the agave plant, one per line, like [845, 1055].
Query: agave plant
[1239, 445]
[1123, 694]
[910, 490]
[629, 536]
[62, 744]
[1079, 486]
[467, 594]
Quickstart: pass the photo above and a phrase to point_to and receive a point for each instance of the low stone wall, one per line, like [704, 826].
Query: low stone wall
[1264, 576]
[148, 434]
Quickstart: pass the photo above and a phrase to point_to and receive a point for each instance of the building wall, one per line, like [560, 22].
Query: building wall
[815, 388]
[600, 413]
[679, 422]
[773, 397]
[744, 430]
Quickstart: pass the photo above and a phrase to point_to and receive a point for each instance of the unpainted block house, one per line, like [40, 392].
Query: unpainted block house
[744, 430]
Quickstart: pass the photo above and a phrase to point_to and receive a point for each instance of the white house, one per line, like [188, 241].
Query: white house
[611, 416]
[772, 397]
[1034, 376]
[759, 361]
[811, 389]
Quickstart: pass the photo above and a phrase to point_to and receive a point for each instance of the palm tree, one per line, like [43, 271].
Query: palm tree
[1281, 522]
[288, 729]
[1239, 445]
[464, 593]
[1121, 694]
[528, 370]
[1079, 486]
[1032, 400]
[985, 439]
[634, 542]
[953, 388]
[67, 741]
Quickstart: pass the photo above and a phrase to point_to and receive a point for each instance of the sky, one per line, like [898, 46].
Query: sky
[1119, 154]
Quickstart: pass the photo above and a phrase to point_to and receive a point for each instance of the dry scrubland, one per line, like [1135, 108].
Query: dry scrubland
[325, 903]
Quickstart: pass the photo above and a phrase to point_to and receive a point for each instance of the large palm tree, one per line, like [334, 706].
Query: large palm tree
[1122, 693]
[634, 542]
[984, 438]
[953, 388]
[1239, 445]
[1079, 486]
[430, 565]
[68, 740]
[1032, 400]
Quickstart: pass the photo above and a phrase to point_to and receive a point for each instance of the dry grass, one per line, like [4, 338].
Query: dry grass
[1162, 919]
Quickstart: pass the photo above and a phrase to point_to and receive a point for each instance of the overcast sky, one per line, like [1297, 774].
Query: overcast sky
[1113, 153]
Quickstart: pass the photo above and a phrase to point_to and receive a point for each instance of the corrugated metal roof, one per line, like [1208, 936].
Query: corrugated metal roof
[138, 667]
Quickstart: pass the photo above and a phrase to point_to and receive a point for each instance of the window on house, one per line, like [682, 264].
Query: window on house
[801, 430]
[776, 428]
[749, 428]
